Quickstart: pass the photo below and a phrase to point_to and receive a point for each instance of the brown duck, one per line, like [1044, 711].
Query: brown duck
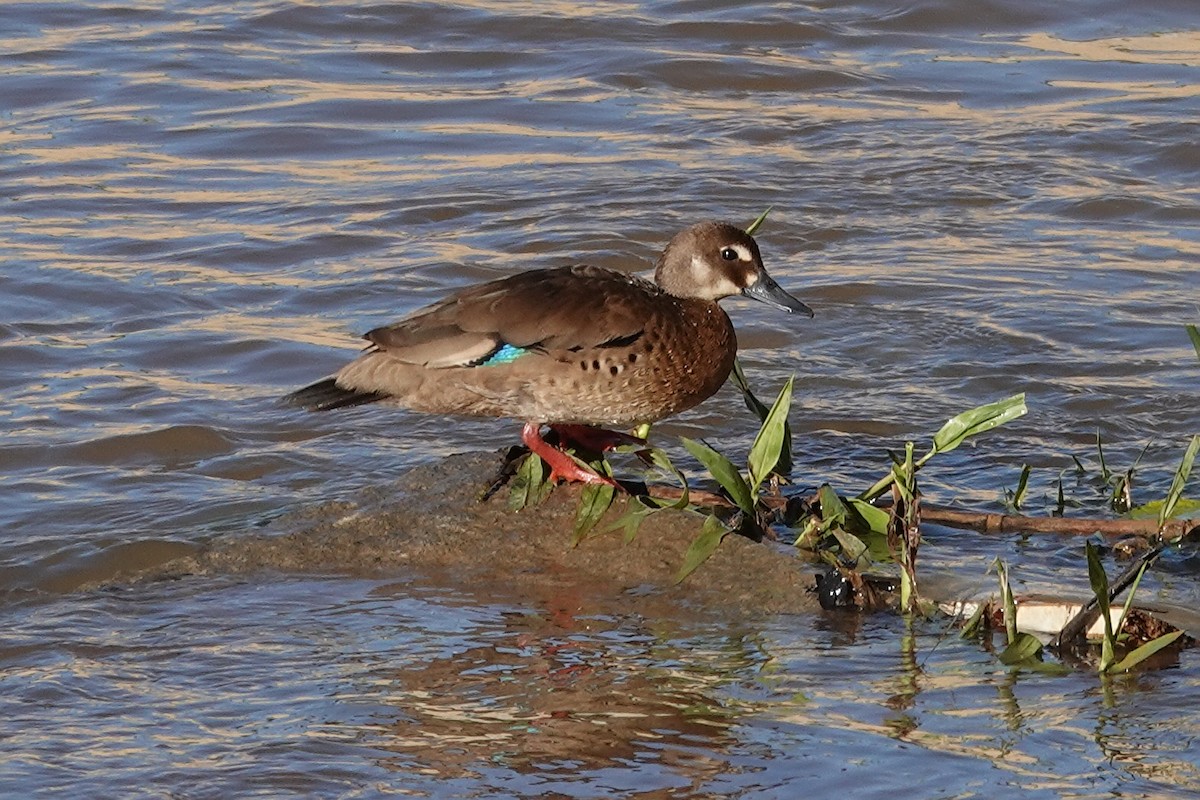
[572, 347]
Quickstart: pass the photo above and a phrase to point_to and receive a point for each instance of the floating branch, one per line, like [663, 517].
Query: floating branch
[1082, 526]
[983, 522]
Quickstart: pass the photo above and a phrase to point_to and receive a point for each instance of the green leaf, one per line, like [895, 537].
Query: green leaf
[756, 406]
[974, 623]
[977, 420]
[759, 409]
[904, 475]
[952, 434]
[768, 444]
[1180, 480]
[1192, 331]
[753, 226]
[725, 473]
[1140, 654]
[641, 507]
[702, 546]
[660, 459]
[1099, 580]
[853, 548]
[1185, 508]
[873, 518]
[594, 500]
[529, 486]
[1121, 492]
[1025, 648]
[1105, 475]
[1096, 574]
[809, 534]
[631, 521]
[833, 510]
[1009, 605]
[1129, 598]
[637, 510]
[1018, 495]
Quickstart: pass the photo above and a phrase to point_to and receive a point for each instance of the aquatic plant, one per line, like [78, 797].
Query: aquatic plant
[745, 491]
[1104, 596]
[843, 532]
[1023, 650]
[850, 534]
[1015, 497]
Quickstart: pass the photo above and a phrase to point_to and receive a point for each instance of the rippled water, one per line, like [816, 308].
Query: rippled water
[205, 204]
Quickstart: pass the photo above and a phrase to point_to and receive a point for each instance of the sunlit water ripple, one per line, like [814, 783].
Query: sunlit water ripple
[206, 204]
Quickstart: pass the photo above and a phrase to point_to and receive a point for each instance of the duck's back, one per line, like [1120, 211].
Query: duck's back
[575, 344]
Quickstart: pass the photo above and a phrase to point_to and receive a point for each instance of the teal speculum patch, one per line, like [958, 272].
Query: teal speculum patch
[505, 355]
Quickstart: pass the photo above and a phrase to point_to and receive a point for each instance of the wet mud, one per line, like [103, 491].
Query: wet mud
[431, 523]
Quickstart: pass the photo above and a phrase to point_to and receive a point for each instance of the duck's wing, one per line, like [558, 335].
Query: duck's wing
[548, 311]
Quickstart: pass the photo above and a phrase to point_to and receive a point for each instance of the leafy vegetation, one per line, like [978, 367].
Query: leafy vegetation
[851, 534]
[1113, 636]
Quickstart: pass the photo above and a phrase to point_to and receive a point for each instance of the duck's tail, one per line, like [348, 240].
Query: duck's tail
[327, 395]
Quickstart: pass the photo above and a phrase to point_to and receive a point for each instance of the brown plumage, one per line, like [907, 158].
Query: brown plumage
[572, 345]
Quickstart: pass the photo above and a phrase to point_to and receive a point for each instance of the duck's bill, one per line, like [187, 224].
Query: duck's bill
[766, 290]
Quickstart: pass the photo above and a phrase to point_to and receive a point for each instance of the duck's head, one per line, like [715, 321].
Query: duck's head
[711, 260]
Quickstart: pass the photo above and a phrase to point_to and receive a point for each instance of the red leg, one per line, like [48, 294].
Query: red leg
[597, 439]
[561, 464]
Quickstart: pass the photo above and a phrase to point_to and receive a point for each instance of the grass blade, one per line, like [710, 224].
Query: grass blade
[660, 459]
[1018, 495]
[768, 444]
[1007, 602]
[1129, 598]
[594, 500]
[1140, 654]
[725, 473]
[1105, 475]
[702, 547]
[1099, 580]
[754, 226]
[1193, 333]
[1179, 481]
[1122, 493]
[759, 409]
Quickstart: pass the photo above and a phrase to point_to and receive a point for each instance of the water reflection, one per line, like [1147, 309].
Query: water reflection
[538, 699]
[1035, 728]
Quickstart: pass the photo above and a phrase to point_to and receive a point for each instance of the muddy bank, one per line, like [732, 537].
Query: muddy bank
[430, 522]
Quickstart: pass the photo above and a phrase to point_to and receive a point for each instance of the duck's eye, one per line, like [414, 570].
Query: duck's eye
[729, 254]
